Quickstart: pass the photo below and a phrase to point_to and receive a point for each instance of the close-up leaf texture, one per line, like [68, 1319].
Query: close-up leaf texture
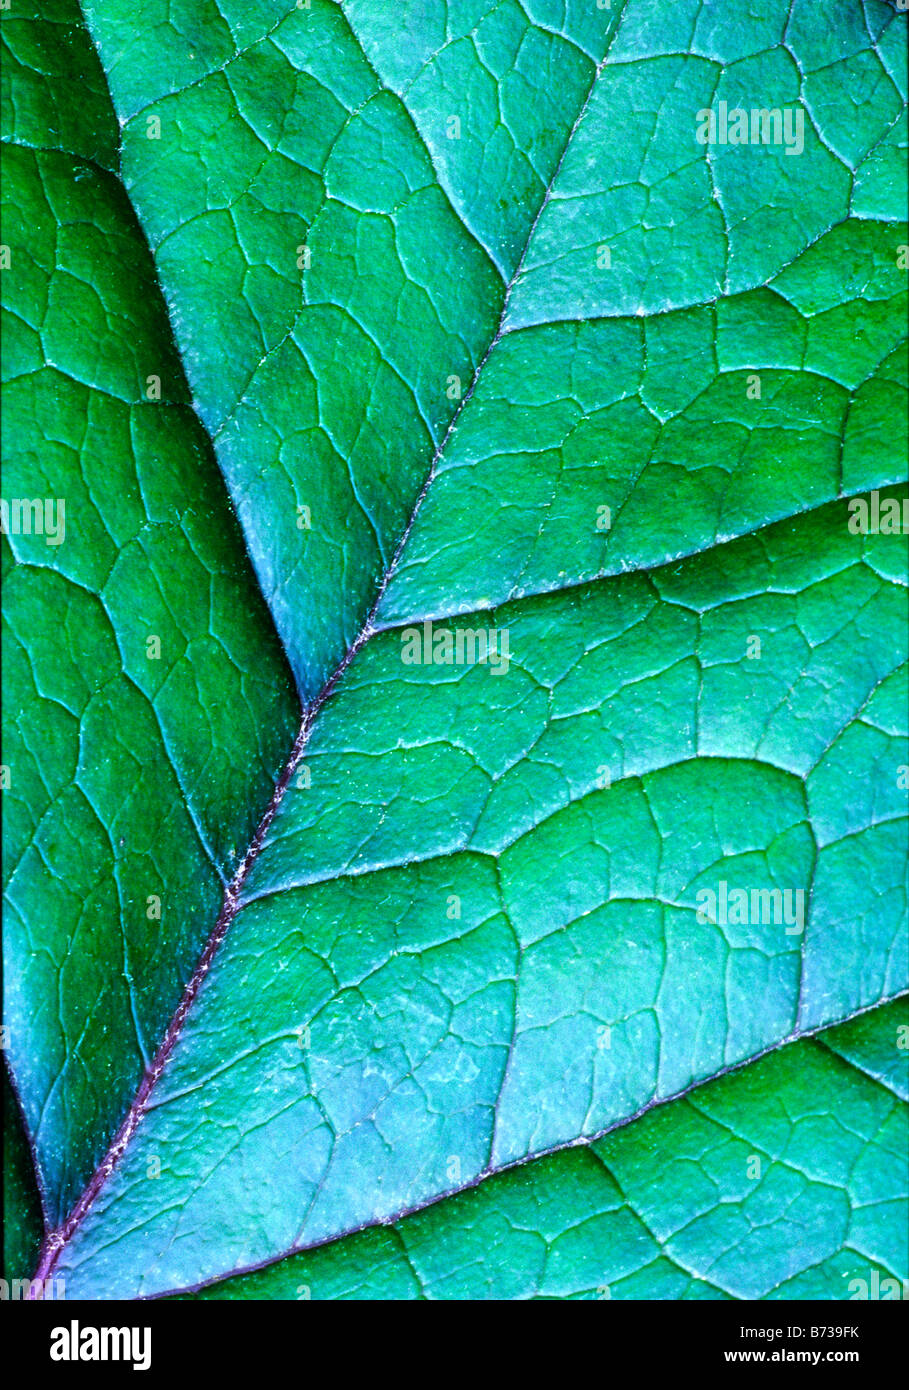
[451, 454]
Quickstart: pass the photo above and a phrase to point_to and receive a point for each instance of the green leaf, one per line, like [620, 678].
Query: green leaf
[452, 310]
[697, 1199]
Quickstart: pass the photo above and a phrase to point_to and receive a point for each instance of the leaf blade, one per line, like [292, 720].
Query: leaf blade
[404, 1036]
[298, 852]
[125, 807]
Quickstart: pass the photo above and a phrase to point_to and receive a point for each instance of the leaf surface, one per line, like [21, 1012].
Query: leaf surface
[23, 1225]
[361, 252]
[136, 783]
[695, 1200]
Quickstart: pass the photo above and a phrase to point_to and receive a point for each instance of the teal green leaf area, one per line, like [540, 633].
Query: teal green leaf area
[698, 1199]
[456, 719]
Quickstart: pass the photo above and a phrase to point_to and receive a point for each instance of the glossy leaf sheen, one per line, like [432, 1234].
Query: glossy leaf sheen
[482, 872]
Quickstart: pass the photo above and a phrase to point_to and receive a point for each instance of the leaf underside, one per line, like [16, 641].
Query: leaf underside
[327, 323]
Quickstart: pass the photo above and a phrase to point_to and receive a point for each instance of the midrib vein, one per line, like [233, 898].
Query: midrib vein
[56, 1240]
